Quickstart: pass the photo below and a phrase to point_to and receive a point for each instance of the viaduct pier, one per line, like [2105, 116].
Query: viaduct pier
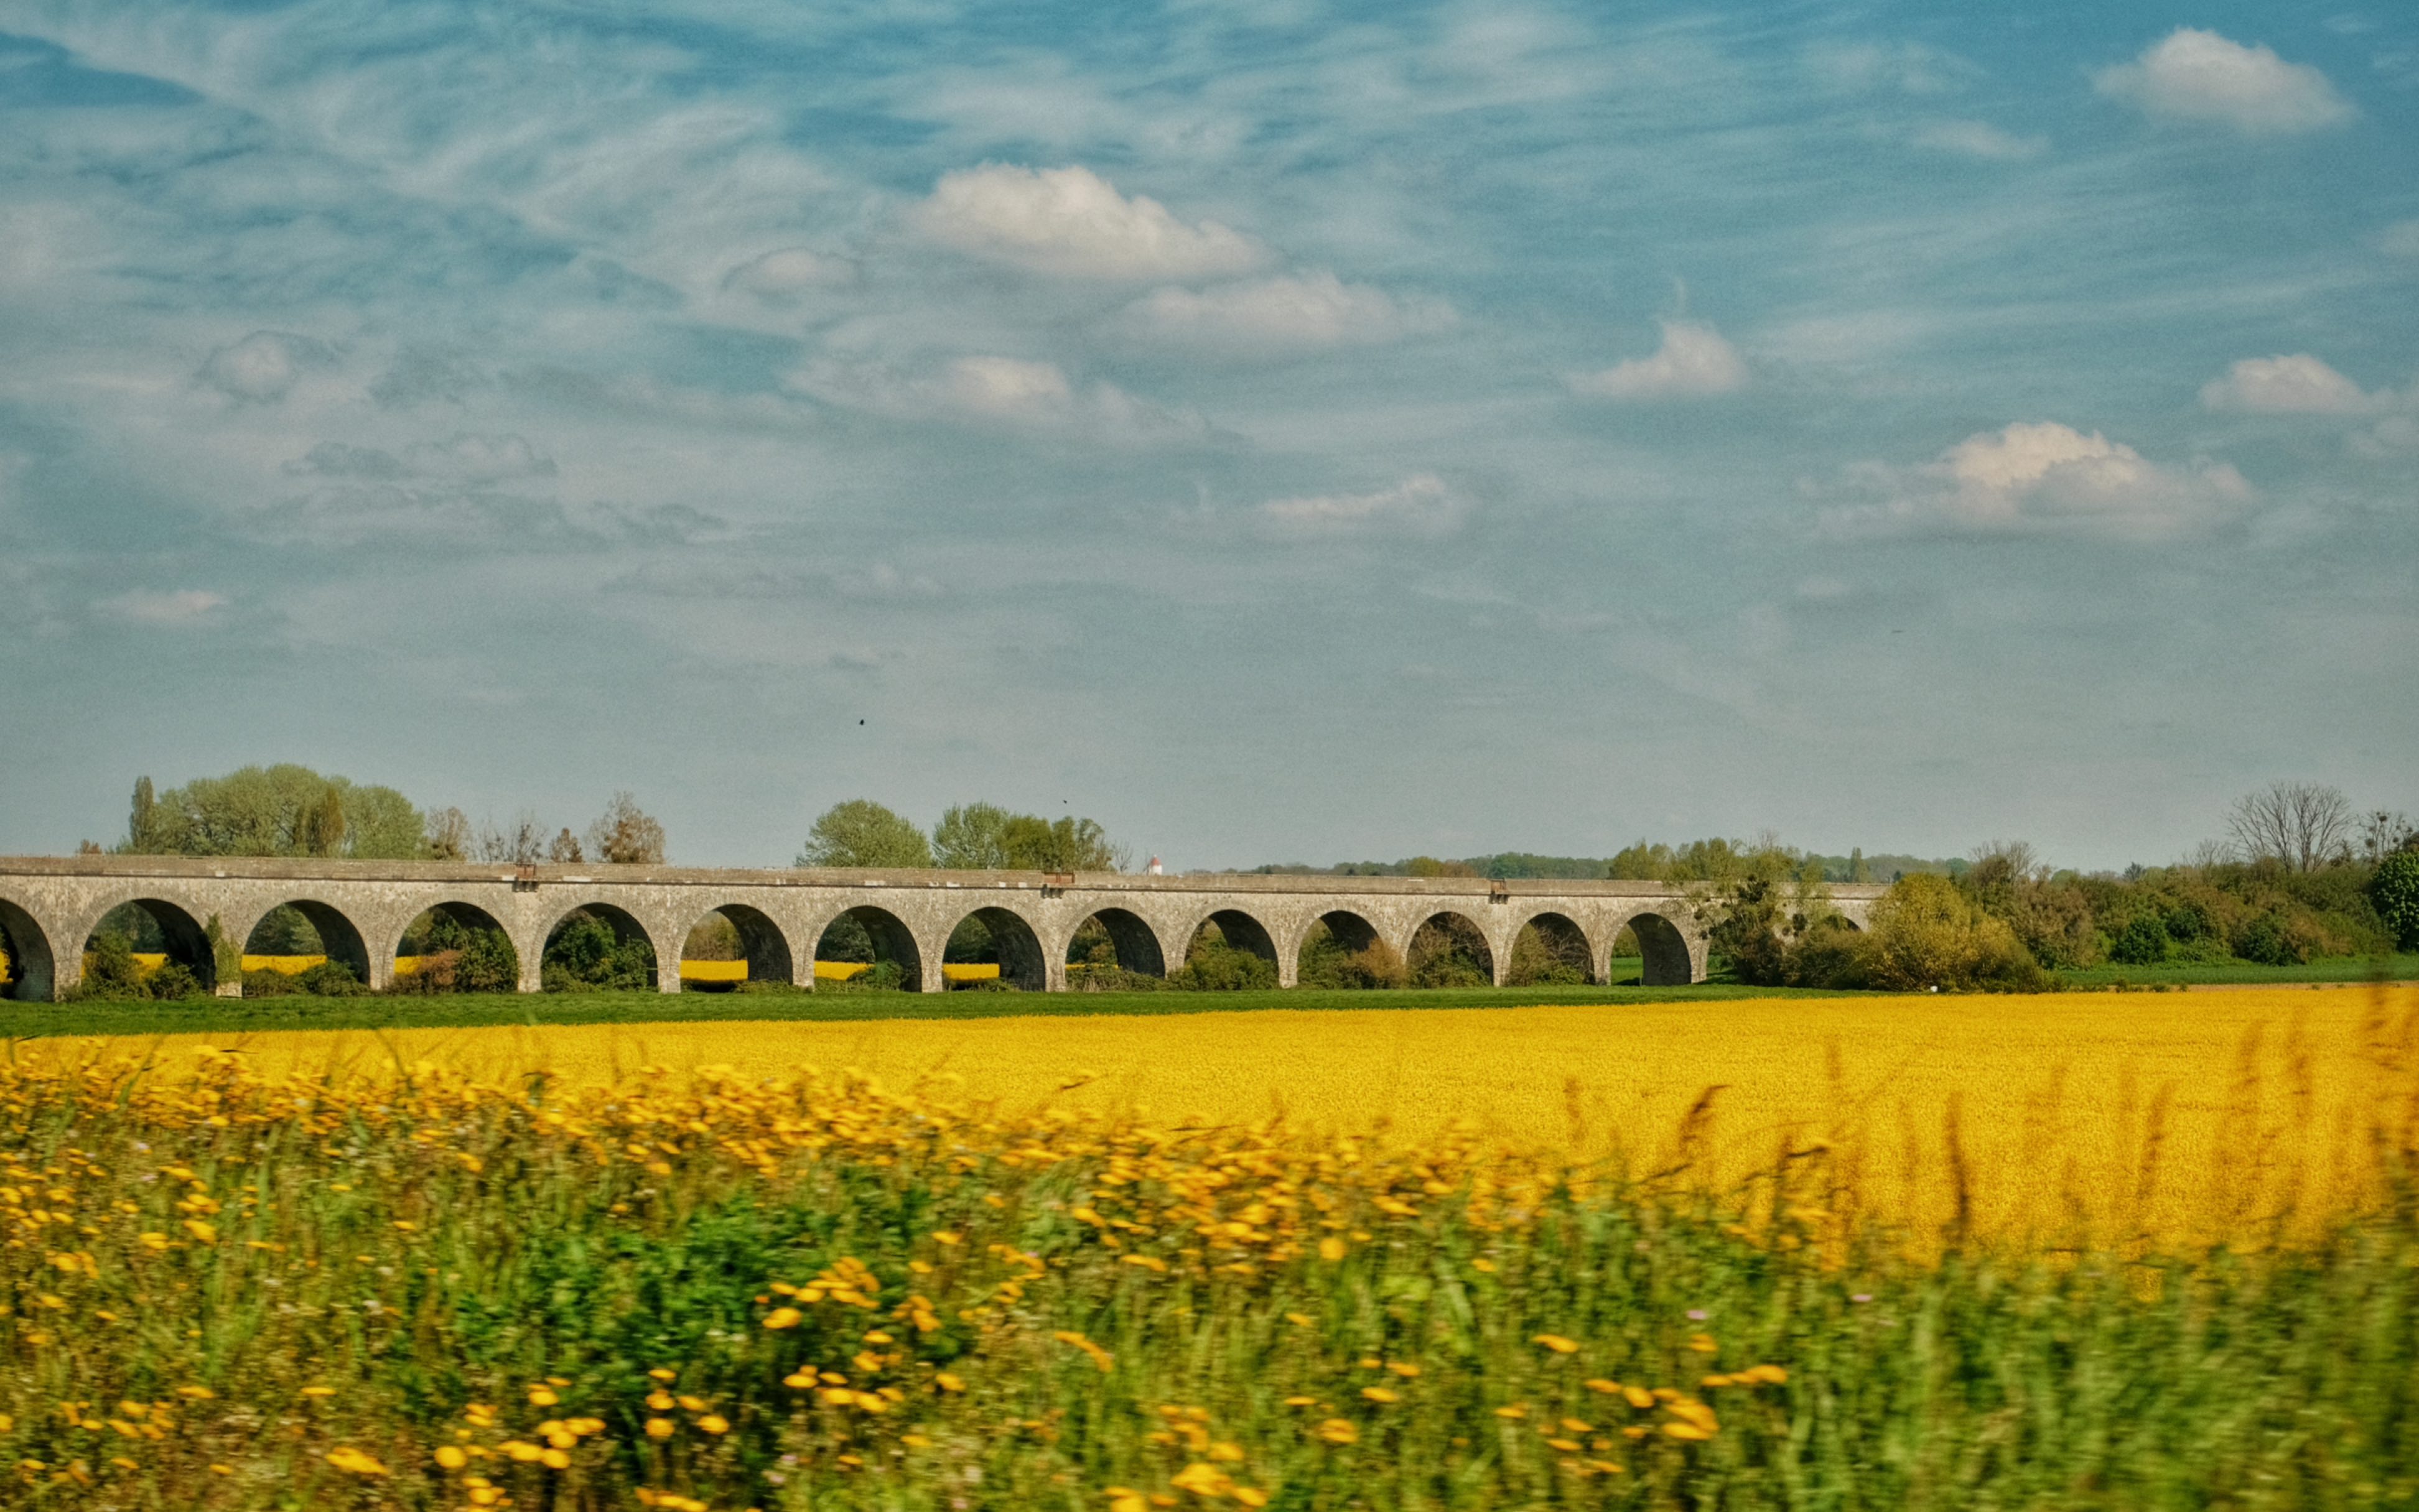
[50, 905]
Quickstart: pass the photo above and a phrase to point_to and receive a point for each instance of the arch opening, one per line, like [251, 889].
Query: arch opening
[995, 950]
[1550, 951]
[304, 946]
[1341, 952]
[1663, 959]
[868, 950]
[597, 947]
[26, 974]
[1230, 952]
[456, 947]
[1110, 948]
[732, 947]
[148, 947]
[1450, 951]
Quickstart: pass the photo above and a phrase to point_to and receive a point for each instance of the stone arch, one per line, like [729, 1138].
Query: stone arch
[1132, 941]
[1443, 942]
[762, 943]
[340, 939]
[889, 937]
[182, 936]
[1667, 957]
[1238, 929]
[1023, 963]
[32, 970]
[627, 926]
[469, 916]
[1342, 932]
[1548, 946]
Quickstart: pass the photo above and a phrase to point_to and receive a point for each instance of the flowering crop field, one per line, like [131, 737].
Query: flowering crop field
[1174, 1262]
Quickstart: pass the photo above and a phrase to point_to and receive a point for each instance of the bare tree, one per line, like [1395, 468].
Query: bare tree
[2383, 831]
[2306, 825]
[523, 845]
[565, 850]
[447, 834]
[625, 835]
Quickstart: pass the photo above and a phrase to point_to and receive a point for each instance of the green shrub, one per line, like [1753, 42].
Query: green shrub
[173, 982]
[1326, 963]
[1926, 934]
[2143, 941]
[882, 976]
[2280, 939]
[459, 957]
[1218, 966]
[2394, 893]
[588, 954]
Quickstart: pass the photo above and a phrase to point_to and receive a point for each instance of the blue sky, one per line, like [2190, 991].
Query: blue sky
[1282, 430]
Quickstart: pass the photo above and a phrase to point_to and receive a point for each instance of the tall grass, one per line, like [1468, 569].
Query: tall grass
[232, 1290]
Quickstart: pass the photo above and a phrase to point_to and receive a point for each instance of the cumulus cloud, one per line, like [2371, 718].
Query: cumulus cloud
[1693, 362]
[2201, 77]
[789, 274]
[1419, 505]
[1978, 139]
[1286, 312]
[264, 367]
[1005, 392]
[1073, 223]
[2296, 385]
[181, 606]
[2042, 478]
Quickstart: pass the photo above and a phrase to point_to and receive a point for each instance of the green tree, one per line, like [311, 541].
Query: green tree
[284, 810]
[862, 833]
[626, 835]
[2394, 890]
[973, 837]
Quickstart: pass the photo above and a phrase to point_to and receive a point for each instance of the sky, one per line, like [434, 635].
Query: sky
[1281, 431]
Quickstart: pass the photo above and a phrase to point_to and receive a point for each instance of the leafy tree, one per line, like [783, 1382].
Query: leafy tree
[2394, 891]
[973, 837]
[626, 835]
[1928, 934]
[862, 833]
[565, 850]
[285, 809]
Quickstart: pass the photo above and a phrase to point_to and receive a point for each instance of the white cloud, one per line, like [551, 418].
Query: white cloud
[265, 366]
[479, 459]
[2200, 76]
[1001, 391]
[1909, 68]
[1286, 312]
[1978, 139]
[183, 606]
[1073, 221]
[2040, 478]
[1694, 361]
[2296, 385]
[783, 276]
[1419, 505]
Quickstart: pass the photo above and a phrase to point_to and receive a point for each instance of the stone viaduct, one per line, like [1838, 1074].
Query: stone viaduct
[48, 905]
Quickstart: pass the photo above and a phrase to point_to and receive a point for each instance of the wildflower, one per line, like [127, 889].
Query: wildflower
[1331, 1248]
[659, 1428]
[1300, 1320]
[353, 1461]
[1379, 1395]
[949, 1382]
[1512, 1413]
[451, 1458]
[1557, 1343]
[714, 1423]
[783, 1318]
[203, 1231]
[542, 1397]
[1337, 1430]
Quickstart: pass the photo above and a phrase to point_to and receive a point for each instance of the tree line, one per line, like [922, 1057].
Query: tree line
[967, 837]
[290, 810]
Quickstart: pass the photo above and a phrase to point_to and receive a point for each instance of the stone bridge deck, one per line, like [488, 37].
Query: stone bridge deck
[49, 906]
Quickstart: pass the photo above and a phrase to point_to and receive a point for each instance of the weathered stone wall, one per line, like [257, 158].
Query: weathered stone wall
[49, 906]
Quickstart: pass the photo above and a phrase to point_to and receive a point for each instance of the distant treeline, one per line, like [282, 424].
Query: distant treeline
[1645, 861]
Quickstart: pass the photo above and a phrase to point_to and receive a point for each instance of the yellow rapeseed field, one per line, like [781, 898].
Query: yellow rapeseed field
[2101, 1118]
